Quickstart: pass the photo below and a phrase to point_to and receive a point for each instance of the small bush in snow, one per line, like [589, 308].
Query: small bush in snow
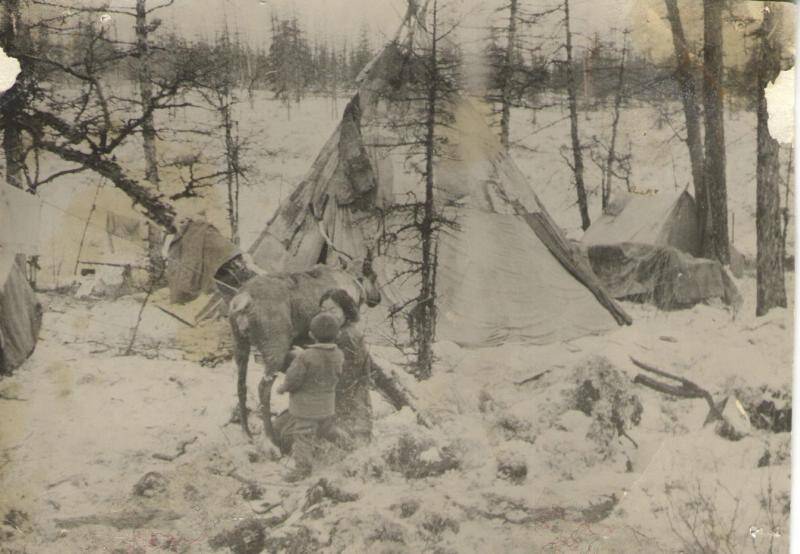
[603, 393]
[417, 458]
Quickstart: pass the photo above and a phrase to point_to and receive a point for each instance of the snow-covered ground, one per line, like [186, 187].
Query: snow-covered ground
[526, 453]
[510, 466]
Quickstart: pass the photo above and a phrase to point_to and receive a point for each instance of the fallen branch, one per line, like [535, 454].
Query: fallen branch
[250, 483]
[64, 480]
[119, 520]
[5, 396]
[396, 393]
[169, 313]
[687, 389]
[625, 434]
[533, 378]
[109, 264]
[181, 451]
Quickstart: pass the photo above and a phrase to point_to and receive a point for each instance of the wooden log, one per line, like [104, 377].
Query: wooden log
[180, 452]
[175, 316]
[688, 389]
[658, 386]
[131, 519]
[397, 394]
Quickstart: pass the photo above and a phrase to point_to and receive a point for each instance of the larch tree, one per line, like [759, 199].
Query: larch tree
[770, 281]
[716, 243]
[577, 149]
[421, 101]
[12, 31]
[507, 73]
[685, 75]
[515, 60]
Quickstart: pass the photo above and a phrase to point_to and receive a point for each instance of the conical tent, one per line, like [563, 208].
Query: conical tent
[20, 313]
[662, 219]
[506, 273]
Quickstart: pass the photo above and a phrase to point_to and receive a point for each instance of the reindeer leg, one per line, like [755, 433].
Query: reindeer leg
[241, 353]
[265, 398]
[274, 353]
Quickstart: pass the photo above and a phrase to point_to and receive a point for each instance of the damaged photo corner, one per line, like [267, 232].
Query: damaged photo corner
[397, 275]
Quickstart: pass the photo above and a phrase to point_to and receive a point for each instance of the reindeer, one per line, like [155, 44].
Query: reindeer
[272, 312]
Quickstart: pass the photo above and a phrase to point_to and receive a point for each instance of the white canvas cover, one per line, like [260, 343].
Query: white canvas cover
[498, 283]
[661, 219]
[19, 220]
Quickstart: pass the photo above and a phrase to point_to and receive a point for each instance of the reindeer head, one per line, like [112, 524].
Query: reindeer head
[367, 279]
[359, 269]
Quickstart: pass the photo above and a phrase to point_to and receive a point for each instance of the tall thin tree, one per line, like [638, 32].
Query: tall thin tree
[687, 82]
[612, 148]
[145, 81]
[577, 152]
[12, 102]
[420, 110]
[770, 282]
[716, 243]
[507, 74]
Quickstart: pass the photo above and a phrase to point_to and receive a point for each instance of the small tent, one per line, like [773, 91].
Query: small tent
[646, 247]
[661, 275]
[506, 274]
[662, 219]
[194, 255]
[20, 313]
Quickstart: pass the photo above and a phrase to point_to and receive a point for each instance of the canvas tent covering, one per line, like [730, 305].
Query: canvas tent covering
[506, 274]
[646, 247]
[194, 256]
[20, 313]
[662, 275]
[662, 219]
[20, 214]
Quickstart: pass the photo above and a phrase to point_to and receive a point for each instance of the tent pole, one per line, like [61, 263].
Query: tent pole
[86, 227]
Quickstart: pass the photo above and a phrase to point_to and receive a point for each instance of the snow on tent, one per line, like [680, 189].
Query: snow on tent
[645, 246]
[506, 275]
[663, 219]
[662, 275]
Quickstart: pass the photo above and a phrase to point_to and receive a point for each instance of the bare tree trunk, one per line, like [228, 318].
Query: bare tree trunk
[146, 93]
[691, 112]
[156, 262]
[508, 75]
[771, 287]
[606, 192]
[577, 154]
[232, 168]
[786, 210]
[716, 243]
[12, 101]
[427, 305]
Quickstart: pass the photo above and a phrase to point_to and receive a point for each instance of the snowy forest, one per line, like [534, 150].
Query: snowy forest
[504, 276]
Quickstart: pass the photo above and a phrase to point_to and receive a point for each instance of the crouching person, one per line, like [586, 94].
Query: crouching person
[311, 383]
